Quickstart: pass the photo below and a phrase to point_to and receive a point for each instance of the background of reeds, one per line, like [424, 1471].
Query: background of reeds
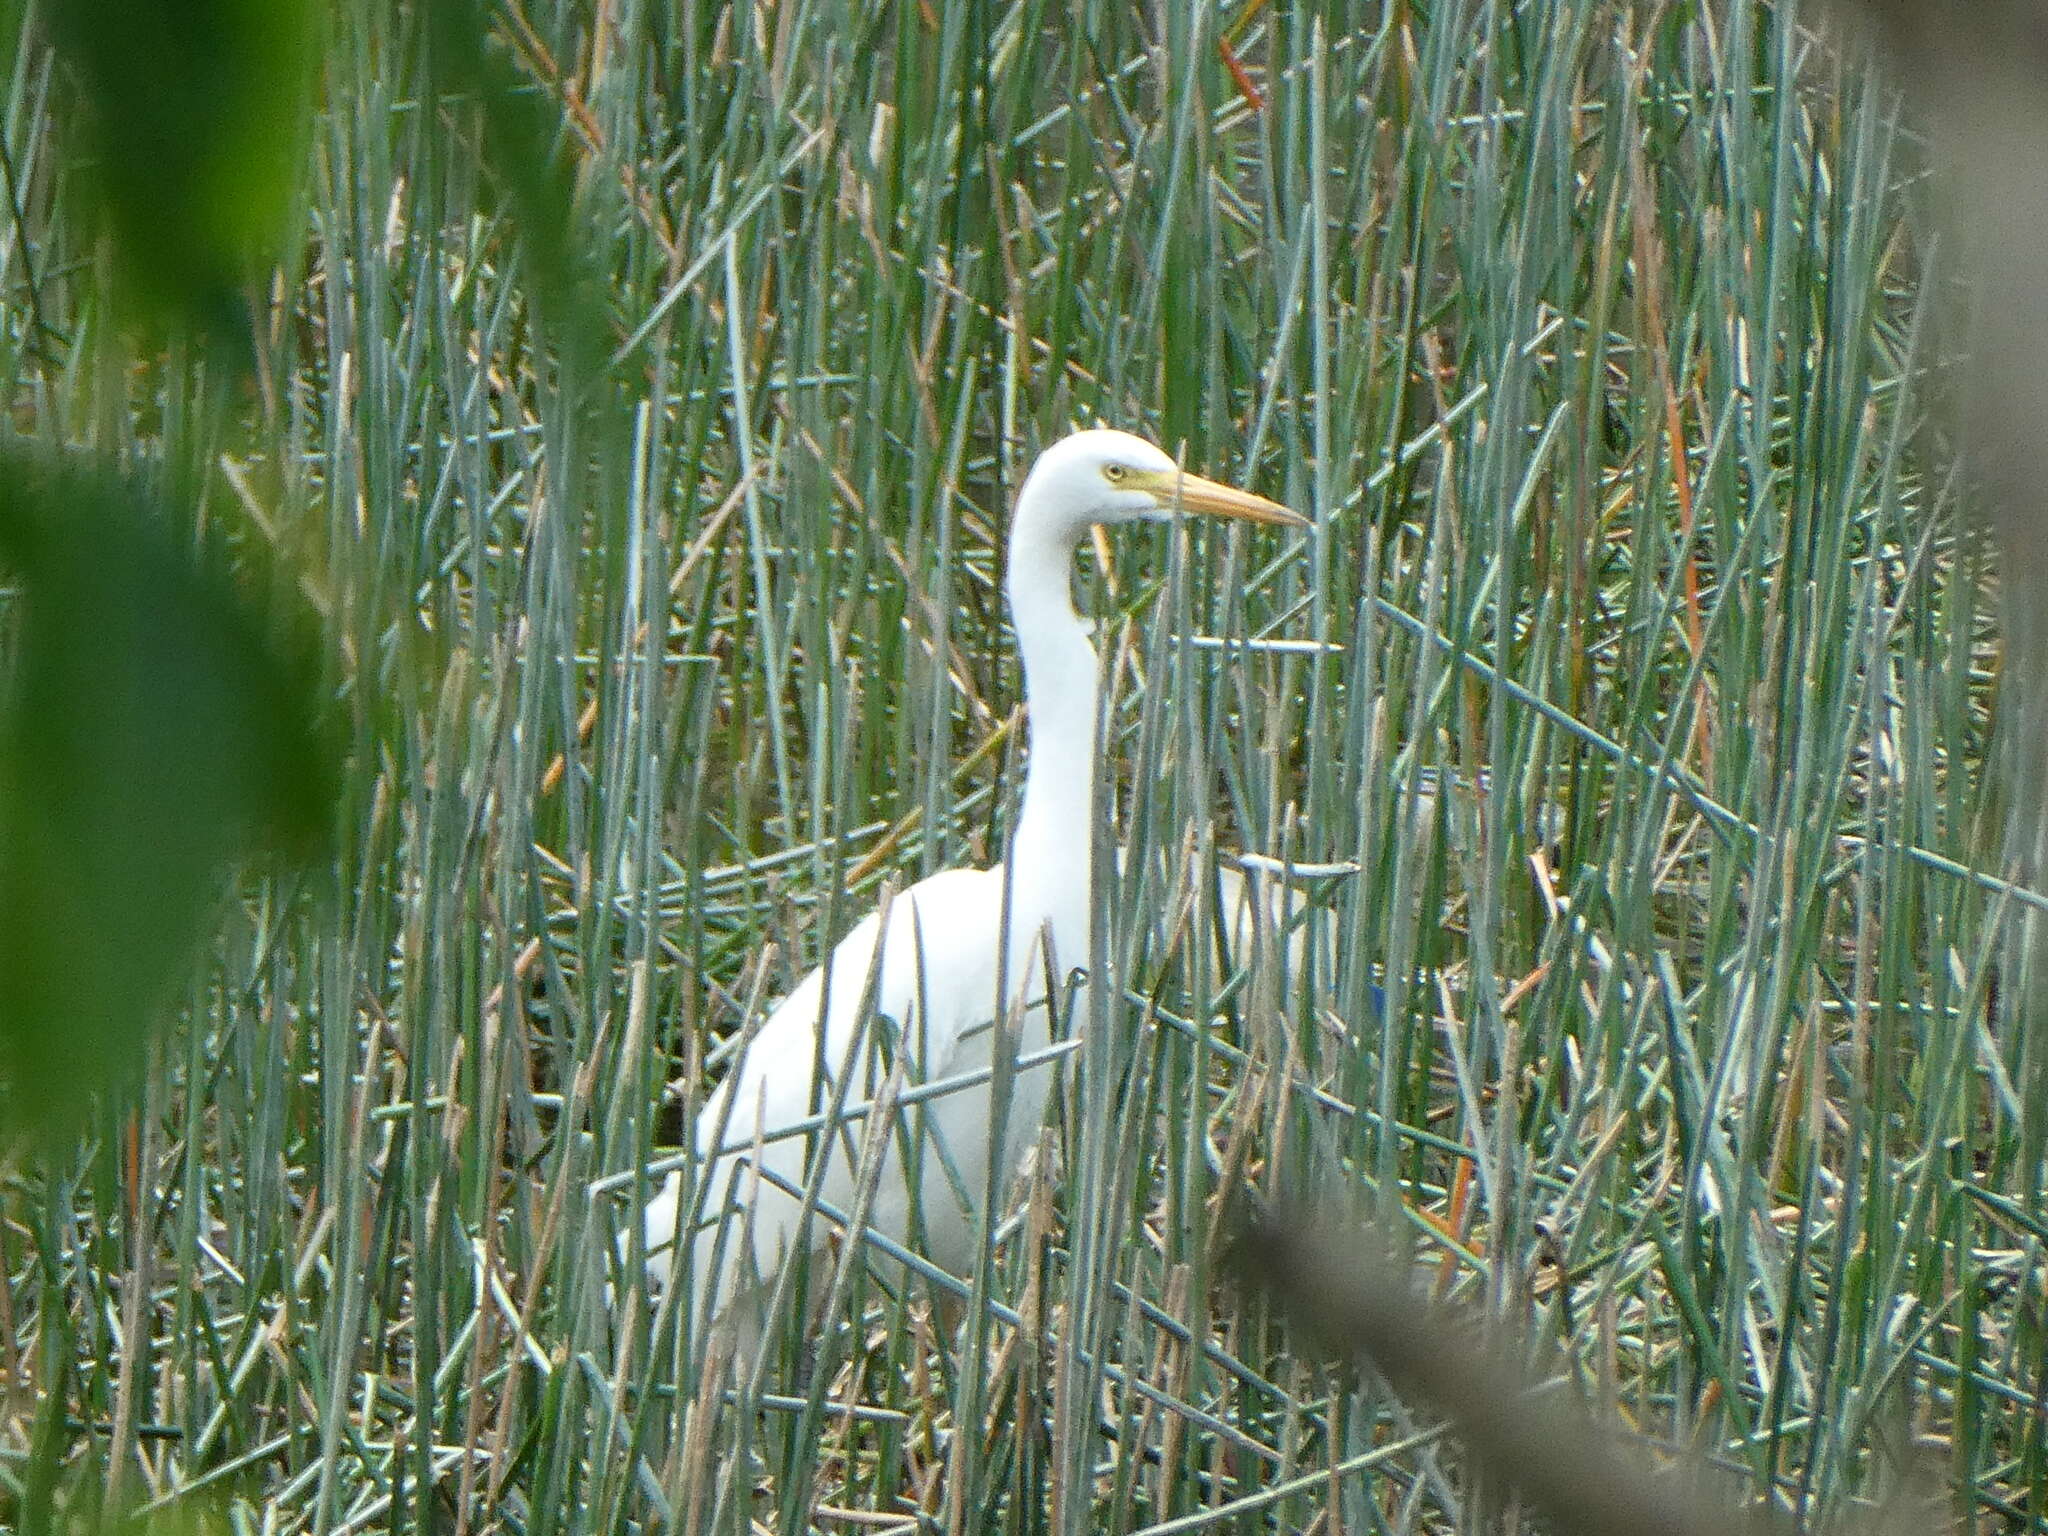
[634, 420]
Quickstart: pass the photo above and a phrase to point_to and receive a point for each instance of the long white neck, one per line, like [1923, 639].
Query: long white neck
[1049, 855]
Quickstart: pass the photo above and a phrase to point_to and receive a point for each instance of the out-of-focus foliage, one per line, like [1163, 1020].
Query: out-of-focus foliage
[195, 114]
[151, 726]
[152, 731]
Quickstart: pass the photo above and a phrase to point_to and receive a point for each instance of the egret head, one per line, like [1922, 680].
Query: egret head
[1105, 476]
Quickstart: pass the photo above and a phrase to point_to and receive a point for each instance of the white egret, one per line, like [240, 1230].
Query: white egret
[948, 947]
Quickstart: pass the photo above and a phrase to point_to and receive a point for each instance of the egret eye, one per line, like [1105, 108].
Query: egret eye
[1113, 473]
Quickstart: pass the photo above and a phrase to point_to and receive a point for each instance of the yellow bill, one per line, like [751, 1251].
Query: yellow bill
[1211, 498]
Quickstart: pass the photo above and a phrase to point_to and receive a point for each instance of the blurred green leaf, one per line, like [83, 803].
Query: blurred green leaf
[154, 730]
[196, 115]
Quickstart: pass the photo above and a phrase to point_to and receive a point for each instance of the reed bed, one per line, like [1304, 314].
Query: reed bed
[1620, 741]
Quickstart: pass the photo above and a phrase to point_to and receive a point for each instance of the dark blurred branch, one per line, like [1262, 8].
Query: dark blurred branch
[1362, 1305]
[1975, 76]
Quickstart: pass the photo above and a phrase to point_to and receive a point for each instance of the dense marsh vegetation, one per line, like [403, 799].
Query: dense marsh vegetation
[1638, 681]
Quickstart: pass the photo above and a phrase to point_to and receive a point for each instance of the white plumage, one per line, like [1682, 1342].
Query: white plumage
[946, 952]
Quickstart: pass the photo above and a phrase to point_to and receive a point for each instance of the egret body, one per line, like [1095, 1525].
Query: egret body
[955, 971]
